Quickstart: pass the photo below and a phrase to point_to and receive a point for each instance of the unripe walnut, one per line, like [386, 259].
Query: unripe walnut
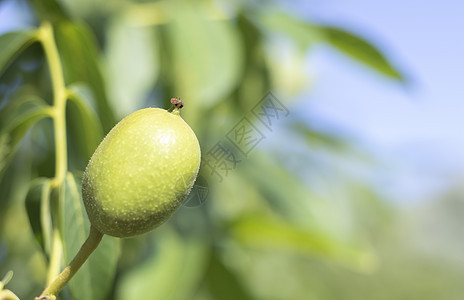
[140, 173]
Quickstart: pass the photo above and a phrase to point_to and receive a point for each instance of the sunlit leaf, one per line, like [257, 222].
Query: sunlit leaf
[84, 9]
[302, 33]
[129, 80]
[306, 33]
[206, 55]
[286, 66]
[95, 278]
[360, 49]
[79, 56]
[264, 232]
[172, 272]
[12, 44]
[264, 176]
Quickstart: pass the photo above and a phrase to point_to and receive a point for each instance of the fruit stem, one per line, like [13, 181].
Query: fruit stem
[177, 105]
[86, 249]
[55, 257]
[175, 111]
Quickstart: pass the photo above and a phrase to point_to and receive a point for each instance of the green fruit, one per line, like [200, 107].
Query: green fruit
[140, 173]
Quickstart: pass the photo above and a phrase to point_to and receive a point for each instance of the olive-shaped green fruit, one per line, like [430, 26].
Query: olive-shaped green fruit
[140, 173]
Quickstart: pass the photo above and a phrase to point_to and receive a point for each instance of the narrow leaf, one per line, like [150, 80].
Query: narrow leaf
[94, 280]
[305, 33]
[84, 126]
[12, 44]
[314, 222]
[264, 176]
[361, 50]
[302, 33]
[263, 232]
[16, 119]
[39, 218]
[23, 117]
[316, 137]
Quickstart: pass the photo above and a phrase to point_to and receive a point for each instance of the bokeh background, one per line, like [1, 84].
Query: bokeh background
[356, 193]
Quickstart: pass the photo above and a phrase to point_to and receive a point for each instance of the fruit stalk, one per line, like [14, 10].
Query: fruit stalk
[87, 248]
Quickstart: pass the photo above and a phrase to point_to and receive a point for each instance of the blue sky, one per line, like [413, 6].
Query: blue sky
[13, 15]
[418, 129]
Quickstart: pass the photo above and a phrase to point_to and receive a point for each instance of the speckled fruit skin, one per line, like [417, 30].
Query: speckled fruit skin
[140, 173]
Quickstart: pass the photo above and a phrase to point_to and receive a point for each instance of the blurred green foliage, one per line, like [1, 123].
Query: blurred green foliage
[288, 222]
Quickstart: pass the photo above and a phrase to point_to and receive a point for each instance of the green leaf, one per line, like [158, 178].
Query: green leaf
[38, 211]
[49, 10]
[85, 129]
[223, 283]
[15, 120]
[12, 44]
[172, 272]
[4, 153]
[130, 80]
[206, 55]
[95, 278]
[315, 227]
[255, 79]
[276, 196]
[361, 50]
[305, 34]
[315, 137]
[302, 33]
[263, 232]
[79, 56]
[14, 185]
